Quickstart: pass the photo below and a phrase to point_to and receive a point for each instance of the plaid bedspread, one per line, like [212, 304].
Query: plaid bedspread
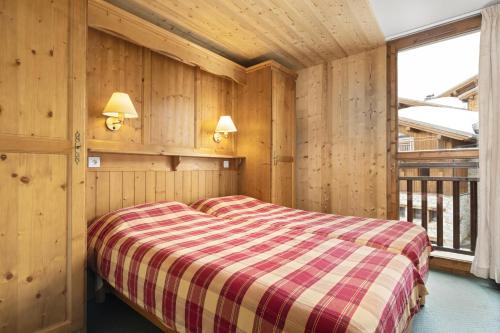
[395, 236]
[199, 273]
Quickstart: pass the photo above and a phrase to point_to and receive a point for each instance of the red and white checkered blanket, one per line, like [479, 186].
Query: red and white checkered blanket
[395, 236]
[199, 273]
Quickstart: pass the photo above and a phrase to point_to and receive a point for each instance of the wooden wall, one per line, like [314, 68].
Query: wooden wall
[42, 113]
[178, 106]
[342, 137]
[126, 180]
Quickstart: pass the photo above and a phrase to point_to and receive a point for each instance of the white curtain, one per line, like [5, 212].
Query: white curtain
[486, 263]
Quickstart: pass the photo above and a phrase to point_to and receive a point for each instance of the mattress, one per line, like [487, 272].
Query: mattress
[200, 273]
[395, 236]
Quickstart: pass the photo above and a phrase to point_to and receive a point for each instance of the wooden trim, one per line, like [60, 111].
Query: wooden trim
[12, 143]
[77, 104]
[393, 47]
[439, 212]
[435, 179]
[392, 135]
[113, 20]
[456, 215]
[443, 154]
[450, 265]
[115, 147]
[438, 33]
[273, 65]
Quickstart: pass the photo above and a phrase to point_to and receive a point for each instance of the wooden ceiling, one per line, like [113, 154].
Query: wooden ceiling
[296, 33]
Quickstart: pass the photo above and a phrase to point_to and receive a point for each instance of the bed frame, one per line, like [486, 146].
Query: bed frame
[105, 288]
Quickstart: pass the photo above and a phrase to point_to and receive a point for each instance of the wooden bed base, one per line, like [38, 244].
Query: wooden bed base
[106, 288]
[152, 318]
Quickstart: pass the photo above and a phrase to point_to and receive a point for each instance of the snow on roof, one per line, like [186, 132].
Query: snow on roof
[452, 120]
[453, 102]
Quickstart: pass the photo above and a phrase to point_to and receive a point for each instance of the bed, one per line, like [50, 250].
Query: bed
[395, 236]
[195, 272]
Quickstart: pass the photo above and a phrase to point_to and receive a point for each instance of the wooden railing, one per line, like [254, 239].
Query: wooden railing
[456, 186]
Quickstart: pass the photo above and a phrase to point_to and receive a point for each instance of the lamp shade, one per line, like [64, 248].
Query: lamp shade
[120, 104]
[225, 125]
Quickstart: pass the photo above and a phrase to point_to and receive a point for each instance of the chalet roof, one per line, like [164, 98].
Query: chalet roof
[450, 122]
[461, 88]
[452, 102]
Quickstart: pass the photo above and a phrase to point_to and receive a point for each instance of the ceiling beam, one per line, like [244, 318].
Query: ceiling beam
[113, 20]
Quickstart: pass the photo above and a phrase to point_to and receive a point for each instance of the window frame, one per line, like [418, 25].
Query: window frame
[439, 33]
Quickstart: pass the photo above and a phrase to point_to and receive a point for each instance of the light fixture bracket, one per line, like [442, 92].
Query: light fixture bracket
[113, 123]
[217, 137]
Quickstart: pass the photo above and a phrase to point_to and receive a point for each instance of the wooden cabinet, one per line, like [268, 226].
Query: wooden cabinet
[266, 134]
[42, 165]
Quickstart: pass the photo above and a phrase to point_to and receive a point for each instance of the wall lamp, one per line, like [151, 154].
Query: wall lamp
[224, 127]
[119, 107]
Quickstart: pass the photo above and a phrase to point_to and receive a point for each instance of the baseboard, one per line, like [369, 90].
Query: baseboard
[451, 262]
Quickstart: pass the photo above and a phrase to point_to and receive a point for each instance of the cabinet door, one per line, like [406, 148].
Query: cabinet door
[283, 131]
[42, 114]
[254, 137]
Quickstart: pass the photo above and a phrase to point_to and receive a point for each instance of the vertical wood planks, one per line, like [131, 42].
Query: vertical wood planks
[409, 200]
[456, 215]
[113, 65]
[34, 273]
[172, 102]
[439, 213]
[128, 189]
[424, 204]
[214, 99]
[102, 189]
[254, 121]
[473, 215]
[34, 68]
[115, 190]
[342, 135]
[111, 190]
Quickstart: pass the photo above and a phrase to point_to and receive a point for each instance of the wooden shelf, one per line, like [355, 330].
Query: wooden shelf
[110, 147]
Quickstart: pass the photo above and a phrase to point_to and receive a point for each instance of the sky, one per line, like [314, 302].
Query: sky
[434, 68]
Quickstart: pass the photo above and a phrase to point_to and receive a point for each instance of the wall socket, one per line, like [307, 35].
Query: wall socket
[94, 162]
[225, 164]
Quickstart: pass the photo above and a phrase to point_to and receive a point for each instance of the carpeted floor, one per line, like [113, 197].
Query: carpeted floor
[455, 304]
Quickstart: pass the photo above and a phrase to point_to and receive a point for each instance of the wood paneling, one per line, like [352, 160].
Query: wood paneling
[296, 33]
[127, 180]
[254, 140]
[33, 63]
[216, 97]
[113, 65]
[313, 140]
[106, 17]
[341, 140]
[178, 105]
[266, 118]
[172, 102]
[283, 138]
[42, 117]
[33, 241]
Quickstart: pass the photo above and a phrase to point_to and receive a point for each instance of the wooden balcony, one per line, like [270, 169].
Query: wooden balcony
[450, 178]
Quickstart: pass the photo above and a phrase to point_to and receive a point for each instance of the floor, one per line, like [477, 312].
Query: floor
[455, 304]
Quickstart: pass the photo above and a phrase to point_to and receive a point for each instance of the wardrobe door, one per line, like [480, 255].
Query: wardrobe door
[254, 137]
[283, 142]
[42, 165]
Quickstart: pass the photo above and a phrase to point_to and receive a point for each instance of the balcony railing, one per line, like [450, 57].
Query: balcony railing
[439, 191]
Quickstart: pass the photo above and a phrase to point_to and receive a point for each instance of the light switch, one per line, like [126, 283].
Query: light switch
[226, 164]
[94, 162]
